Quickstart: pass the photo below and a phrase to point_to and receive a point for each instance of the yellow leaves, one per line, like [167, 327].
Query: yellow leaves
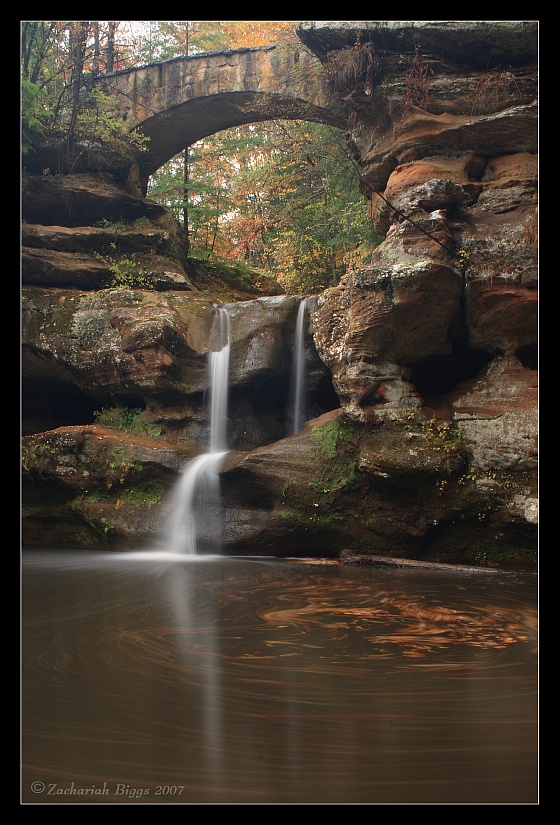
[252, 33]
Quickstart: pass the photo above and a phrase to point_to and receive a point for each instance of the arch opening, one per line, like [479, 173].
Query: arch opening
[175, 129]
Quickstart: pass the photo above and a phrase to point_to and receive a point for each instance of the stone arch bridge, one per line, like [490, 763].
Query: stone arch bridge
[180, 101]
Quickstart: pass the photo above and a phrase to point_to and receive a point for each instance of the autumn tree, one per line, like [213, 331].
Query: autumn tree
[309, 220]
[164, 39]
[55, 57]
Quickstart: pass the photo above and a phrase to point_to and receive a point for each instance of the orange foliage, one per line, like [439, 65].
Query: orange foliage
[251, 33]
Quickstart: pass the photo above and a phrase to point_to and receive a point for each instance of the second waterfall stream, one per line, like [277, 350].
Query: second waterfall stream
[298, 371]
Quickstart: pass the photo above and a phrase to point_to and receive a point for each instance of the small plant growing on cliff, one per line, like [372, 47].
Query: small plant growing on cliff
[328, 437]
[446, 436]
[120, 468]
[122, 226]
[128, 273]
[492, 88]
[339, 476]
[417, 90]
[352, 65]
[463, 257]
[336, 470]
[144, 494]
[128, 419]
[37, 455]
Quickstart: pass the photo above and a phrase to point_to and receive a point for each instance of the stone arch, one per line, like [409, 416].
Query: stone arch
[178, 102]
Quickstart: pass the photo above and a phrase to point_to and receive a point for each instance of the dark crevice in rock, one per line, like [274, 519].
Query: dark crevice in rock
[529, 356]
[323, 397]
[440, 374]
[47, 404]
[262, 413]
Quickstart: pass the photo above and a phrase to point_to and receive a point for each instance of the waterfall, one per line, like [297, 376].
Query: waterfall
[298, 371]
[196, 502]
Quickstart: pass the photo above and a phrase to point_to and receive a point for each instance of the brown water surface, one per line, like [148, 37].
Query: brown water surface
[156, 679]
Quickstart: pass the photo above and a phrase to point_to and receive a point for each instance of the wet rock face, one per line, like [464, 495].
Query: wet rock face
[421, 367]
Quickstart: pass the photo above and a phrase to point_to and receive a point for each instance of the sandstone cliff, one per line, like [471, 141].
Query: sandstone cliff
[422, 367]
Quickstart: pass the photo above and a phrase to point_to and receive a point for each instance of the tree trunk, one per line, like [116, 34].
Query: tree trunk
[110, 59]
[389, 561]
[186, 198]
[186, 169]
[77, 56]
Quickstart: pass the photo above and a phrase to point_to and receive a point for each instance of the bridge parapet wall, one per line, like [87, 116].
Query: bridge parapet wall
[153, 89]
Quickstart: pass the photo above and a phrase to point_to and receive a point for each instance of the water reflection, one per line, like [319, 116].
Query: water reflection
[156, 678]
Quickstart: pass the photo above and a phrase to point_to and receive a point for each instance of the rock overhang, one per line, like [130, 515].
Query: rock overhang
[482, 43]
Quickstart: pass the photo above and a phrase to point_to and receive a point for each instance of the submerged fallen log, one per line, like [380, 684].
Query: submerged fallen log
[390, 561]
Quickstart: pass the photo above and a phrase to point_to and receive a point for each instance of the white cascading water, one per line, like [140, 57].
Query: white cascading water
[298, 371]
[219, 382]
[197, 497]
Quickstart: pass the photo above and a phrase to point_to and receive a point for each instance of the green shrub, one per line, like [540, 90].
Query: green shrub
[127, 272]
[128, 419]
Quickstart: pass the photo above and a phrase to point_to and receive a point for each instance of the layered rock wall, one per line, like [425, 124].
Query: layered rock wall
[444, 124]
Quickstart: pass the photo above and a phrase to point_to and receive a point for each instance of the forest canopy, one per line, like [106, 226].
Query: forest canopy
[280, 197]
